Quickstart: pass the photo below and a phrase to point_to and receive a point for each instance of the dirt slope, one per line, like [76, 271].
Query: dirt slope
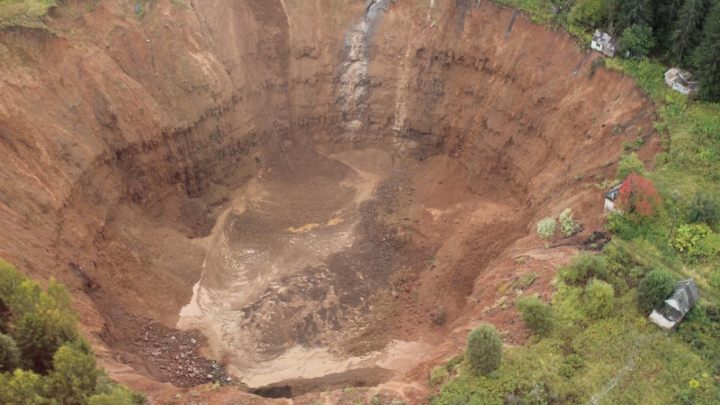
[124, 137]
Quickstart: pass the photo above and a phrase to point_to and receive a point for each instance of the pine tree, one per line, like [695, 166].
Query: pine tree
[35, 342]
[687, 33]
[635, 12]
[707, 57]
[666, 11]
[665, 14]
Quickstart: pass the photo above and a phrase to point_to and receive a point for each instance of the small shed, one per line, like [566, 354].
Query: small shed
[604, 43]
[610, 198]
[674, 309]
[680, 80]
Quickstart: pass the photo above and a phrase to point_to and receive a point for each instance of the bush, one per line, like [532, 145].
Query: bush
[696, 242]
[570, 365]
[437, 375]
[638, 198]
[547, 227]
[9, 354]
[537, 315]
[704, 208]
[484, 352]
[654, 288]
[567, 224]
[628, 165]
[599, 299]
[584, 266]
[439, 316]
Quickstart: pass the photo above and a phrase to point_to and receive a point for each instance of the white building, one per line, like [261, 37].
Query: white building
[610, 198]
[674, 309]
[604, 43]
[680, 80]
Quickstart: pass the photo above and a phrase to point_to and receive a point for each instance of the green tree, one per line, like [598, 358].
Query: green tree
[22, 388]
[629, 164]
[665, 15]
[537, 315]
[599, 299]
[584, 266]
[704, 208]
[707, 57]
[9, 354]
[654, 288]
[637, 40]
[24, 298]
[635, 12]
[587, 12]
[687, 32]
[10, 278]
[35, 342]
[484, 352]
[75, 375]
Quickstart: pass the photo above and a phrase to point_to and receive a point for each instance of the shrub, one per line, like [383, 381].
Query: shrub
[437, 375]
[638, 198]
[654, 288]
[567, 224]
[537, 315]
[570, 365]
[584, 266]
[714, 279]
[704, 208]
[547, 227]
[9, 354]
[599, 299]
[484, 352]
[628, 165]
[439, 316]
[108, 393]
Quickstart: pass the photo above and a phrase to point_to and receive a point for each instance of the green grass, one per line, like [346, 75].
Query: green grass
[24, 13]
[622, 359]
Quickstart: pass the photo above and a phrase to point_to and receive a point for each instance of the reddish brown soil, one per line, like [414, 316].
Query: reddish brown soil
[123, 138]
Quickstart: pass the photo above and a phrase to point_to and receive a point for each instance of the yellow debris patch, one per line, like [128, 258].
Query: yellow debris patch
[334, 221]
[304, 228]
[435, 213]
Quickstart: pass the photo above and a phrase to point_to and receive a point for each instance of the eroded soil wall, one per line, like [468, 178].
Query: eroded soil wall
[123, 136]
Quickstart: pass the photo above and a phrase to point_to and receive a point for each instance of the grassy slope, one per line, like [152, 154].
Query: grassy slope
[24, 13]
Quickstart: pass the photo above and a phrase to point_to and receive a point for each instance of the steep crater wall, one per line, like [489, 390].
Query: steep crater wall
[127, 140]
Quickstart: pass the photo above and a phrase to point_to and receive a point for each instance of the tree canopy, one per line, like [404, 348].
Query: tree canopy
[43, 357]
